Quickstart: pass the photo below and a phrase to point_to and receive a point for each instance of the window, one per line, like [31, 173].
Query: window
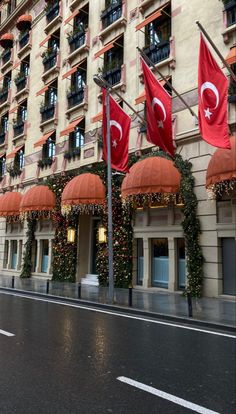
[3, 128]
[76, 139]
[181, 263]
[50, 55]
[13, 254]
[2, 166]
[157, 37]
[160, 263]
[113, 60]
[19, 159]
[48, 107]
[111, 13]
[52, 10]
[49, 148]
[230, 8]
[20, 79]
[45, 256]
[139, 261]
[75, 95]
[18, 126]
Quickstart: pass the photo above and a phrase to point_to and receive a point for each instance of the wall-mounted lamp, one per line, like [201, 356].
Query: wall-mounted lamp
[102, 234]
[70, 235]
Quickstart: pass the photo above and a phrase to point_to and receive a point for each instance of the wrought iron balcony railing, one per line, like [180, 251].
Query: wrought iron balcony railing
[113, 76]
[75, 97]
[158, 52]
[111, 14]
[76, 40]
[47, 112]
[49, 60]
[20, 82]
[18, 128]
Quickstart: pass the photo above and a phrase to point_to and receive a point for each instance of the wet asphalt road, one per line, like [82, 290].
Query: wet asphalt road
[65, 360]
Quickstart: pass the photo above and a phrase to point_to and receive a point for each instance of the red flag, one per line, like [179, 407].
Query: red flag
[119, 131]
[212, 100]
[158, 104]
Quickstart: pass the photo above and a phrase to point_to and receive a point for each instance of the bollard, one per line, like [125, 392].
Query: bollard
[79, 290]
[13, 282]
[190, 307]
[130, 296]
[47, 286]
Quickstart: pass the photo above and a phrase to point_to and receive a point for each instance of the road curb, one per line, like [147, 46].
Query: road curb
[125, 309]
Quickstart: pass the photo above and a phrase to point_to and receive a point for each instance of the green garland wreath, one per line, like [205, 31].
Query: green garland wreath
[27, 260]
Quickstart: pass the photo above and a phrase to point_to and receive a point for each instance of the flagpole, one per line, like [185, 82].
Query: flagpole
[216, 50]
[147, 60]
[109, 196]
[99, 81]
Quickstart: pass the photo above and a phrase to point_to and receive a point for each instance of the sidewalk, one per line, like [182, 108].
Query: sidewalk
[220, 311]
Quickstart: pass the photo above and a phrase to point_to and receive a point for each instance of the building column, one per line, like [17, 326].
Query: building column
[39, 255]
[19, 254]
[172, 265]
[146, 263]
[49, 271]
[9, 255]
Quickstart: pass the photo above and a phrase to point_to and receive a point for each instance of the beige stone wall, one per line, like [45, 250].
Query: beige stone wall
[182, 67]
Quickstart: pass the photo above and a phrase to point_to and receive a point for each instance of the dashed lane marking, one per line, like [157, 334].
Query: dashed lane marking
[172, 398]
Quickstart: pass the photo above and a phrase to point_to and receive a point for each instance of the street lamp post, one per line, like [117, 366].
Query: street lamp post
[100, 83]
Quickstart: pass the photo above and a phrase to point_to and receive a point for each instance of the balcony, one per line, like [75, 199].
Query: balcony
[6, 56]
[111, 14]
[3, 95]
[75, 97]
[52, 11]
[18, 128]
[159, 52]
[49, 59]
[20, 82]
[112, 75]
[47, 112]
[76, 39]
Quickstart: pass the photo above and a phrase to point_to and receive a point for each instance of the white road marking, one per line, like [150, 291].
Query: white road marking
[6, 333]
[121, 315]
[176, 400]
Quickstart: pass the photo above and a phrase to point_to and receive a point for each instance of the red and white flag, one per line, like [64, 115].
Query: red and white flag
[212, 100]
[119, 134]
[158, 105]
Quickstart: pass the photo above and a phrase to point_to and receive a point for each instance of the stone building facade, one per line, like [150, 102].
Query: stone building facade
[50, 116]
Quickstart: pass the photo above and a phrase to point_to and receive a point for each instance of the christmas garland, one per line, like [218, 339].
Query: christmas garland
[27, 260]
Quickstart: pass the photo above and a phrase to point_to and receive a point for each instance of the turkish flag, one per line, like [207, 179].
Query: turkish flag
[119, 134]
[212, 100]
[158, 105]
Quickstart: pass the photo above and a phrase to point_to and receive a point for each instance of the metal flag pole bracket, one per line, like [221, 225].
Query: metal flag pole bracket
[149, 61]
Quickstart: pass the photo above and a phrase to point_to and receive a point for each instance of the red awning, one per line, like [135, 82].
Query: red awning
[231, 57]
[45, 40]
[41, 91]
[97, 117]
[6, 40]
[107, 47]
[10, 204]
[13, 153]
[72, 70]
[13, 110]
[149, 19]
[222, 166]
[86, 188]
[43, 139]
[71, 17]
[24, 22]
[151, 175]
[39, 198]
[71, 126]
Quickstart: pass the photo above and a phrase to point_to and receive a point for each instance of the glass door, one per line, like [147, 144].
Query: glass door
[181, 263]
[139, 261]
[160, 263]
[14, 254]
[45, 251]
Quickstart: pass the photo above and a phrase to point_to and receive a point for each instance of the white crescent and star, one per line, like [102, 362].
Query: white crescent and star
[118, 126]
[157, 101]
[213, 88]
